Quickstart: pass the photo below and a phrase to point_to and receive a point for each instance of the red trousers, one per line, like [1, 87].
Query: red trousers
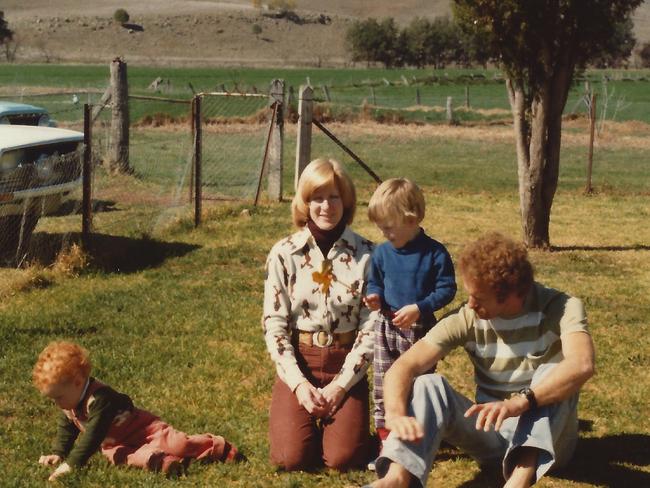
[299, 441]
[159, 443]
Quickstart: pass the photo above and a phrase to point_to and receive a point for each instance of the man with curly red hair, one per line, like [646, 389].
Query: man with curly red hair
[531, 352]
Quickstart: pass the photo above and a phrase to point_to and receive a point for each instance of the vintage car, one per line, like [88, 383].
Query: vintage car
[39, 166]
[23, 114]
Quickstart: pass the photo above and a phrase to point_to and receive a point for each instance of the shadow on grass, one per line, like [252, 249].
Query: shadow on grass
[615, 461]
[73, 207]
[110, 254]
[610, 461]
[634, 247]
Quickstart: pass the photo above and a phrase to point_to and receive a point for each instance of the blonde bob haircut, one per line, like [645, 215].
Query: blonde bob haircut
[61, 362]
[395, 201]
[318, 174]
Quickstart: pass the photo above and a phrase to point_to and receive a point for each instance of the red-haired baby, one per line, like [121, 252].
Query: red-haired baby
[95, 417]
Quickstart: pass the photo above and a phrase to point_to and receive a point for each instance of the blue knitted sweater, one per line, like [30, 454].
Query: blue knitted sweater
[421, 272]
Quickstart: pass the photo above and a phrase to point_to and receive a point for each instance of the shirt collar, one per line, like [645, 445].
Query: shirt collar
[83, 392]
[303, 237]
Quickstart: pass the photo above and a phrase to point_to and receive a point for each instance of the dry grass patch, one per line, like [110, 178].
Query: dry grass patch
[69, 262]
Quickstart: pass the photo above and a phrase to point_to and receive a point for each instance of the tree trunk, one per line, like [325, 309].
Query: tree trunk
[538, 131]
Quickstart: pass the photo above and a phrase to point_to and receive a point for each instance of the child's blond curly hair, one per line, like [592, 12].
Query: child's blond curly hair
[61, 361]
[395, 201]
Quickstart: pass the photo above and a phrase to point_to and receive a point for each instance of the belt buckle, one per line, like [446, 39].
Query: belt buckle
[316, 338]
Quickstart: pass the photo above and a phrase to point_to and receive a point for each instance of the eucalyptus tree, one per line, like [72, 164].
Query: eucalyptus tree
[540, 45]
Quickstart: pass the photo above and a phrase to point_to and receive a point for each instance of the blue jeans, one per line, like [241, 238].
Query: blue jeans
[553, 429]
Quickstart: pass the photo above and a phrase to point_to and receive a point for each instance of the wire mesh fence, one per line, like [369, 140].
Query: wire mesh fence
[234, 133]
[64, 108]
[154, 188]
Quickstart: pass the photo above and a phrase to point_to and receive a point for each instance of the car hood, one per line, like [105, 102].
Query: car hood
[9, 108]
[18, 136]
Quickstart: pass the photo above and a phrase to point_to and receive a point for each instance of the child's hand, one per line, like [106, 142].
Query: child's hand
[373, 302]
[406, 316]
[49, 460]
[63, 469]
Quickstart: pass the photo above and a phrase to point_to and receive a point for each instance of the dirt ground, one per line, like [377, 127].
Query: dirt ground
[204, 33]
[194, 33]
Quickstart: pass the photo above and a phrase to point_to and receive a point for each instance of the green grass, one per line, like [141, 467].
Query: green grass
[173, 320]
[627, 91]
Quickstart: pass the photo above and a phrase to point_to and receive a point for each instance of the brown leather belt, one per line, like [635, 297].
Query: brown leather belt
[322, 338]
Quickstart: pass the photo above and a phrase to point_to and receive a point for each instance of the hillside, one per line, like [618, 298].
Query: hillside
[206, 33]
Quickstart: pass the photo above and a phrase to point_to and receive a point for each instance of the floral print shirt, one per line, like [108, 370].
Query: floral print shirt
[307, 291]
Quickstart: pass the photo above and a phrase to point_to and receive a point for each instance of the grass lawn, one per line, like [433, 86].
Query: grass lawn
[622, 94]
[171, 314]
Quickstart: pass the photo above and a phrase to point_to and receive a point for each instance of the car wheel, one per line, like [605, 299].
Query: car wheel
[14, 243]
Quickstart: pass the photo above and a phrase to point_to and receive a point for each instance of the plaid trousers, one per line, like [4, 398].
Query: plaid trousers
[390, 343]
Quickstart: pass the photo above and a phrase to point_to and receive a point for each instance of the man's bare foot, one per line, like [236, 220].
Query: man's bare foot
[396, 477]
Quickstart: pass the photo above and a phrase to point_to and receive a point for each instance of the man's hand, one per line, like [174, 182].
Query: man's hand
[311, 399]
[49, 459]
[406, 316]
[63, 469]
[373, 302]
[333, 395]
[494, 413]
[406, 428]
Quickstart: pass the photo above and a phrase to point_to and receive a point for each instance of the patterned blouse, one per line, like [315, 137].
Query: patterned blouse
[304, 290]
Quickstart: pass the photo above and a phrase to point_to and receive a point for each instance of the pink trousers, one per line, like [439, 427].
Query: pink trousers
[160, 444]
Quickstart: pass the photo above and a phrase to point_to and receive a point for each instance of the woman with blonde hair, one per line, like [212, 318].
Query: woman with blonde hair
[317, 330]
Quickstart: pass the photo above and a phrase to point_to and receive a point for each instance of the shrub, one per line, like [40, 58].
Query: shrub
[257, 29]
[121, 16]
[282, 5]
[644, 54]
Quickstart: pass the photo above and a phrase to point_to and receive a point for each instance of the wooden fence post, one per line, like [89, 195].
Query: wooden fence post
[119, 150]
[467, 96]
[450, 111]
[372, 95]
[276, 149]
[418, 101]
[303, 146]
[86, 178]
[592, 127]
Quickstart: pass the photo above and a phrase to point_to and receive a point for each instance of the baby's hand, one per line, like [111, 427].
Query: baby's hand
[49, 460]
[63, 469]
[373, 302]
[406, 316]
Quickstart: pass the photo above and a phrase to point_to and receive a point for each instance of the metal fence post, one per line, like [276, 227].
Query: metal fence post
[303, 146]
[86, 177]
[592, 126]
[197, 161]
[276, 149]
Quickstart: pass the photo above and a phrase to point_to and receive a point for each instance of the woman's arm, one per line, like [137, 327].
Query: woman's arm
[277, 314]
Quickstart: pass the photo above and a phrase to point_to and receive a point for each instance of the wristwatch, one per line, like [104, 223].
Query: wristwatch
[530, 396]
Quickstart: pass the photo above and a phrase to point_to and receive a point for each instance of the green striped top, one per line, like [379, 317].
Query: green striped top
[506, 352]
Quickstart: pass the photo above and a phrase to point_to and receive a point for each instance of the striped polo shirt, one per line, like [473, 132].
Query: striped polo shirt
[506, 352]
